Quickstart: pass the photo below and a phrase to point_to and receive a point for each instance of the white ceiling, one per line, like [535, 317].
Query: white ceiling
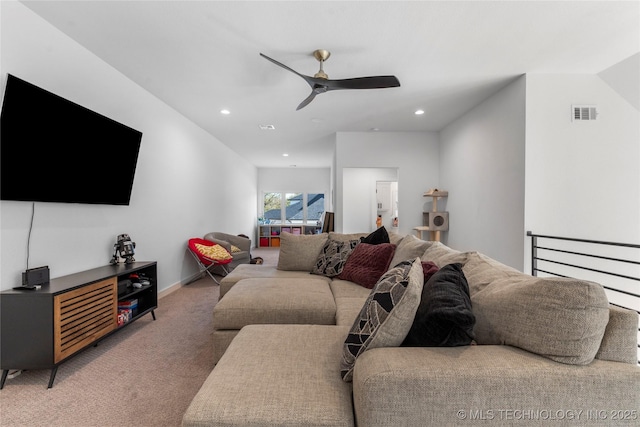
[202, 56]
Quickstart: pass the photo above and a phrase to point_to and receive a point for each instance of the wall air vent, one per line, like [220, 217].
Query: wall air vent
[583, 112]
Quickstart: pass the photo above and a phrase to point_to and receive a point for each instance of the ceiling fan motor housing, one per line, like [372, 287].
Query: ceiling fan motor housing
[321, 55]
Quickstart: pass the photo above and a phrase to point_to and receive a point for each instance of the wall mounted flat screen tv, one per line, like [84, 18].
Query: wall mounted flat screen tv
[54, 150]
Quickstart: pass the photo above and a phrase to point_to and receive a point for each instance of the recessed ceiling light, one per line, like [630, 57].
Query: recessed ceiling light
[267, 127]
[316, 120]
[285, 155]
[225, 112]
[419, 112]
[374, 129]
[292, 166]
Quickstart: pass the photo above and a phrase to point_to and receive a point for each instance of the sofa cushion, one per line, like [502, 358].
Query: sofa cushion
[347, 310]
[276, 375]
[260, 301]
[480, 270]
[395, 238]
[560, 318]
[300, 252]
[620, 341]
[257, 271]
[367, 263]
[387, 314]
[410, 247]
[377, 237]
[442, 255]
[333, 256]
[444, 317]
[427, 386]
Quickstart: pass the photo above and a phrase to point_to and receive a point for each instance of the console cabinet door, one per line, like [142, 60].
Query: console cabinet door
[84, 315]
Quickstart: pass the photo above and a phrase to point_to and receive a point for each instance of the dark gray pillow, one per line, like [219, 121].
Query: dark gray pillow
[444, 317]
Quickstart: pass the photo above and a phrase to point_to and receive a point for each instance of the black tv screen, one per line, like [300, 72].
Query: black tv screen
[54, 150]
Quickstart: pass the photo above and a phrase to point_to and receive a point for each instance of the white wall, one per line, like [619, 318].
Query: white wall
[482, 166]
[414, 154]
[623, 78]
[583, 178]
[187, 183]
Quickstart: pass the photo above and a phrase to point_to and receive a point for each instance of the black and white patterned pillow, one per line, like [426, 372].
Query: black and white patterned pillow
[387, 314]
[332, 257]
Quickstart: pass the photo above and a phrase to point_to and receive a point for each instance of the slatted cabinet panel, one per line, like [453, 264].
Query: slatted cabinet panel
[84, 315]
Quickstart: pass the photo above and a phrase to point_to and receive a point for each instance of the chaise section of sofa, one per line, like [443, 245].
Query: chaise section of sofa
[277, 375]
[271, 301]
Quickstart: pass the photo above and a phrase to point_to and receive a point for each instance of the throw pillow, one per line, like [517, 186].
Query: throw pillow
[367, 263]
[442, 255]
[299, 252]
[429, 269]
[409, 248]
[444, 317]
[332, 257]
[215, 252]
[386, 316]
[377, 237]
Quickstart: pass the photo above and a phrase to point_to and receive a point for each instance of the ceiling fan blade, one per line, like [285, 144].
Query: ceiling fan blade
[307, 79]
[317, 89]
[375, 82]
[306, 101]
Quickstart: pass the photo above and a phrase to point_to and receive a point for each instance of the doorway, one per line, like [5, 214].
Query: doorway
[359, 200]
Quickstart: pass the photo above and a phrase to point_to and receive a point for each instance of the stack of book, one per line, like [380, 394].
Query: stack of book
[131, 304]
[125, 310]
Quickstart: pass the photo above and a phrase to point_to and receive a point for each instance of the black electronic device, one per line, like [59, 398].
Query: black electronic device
[34, 278]
[124, 286]
[50, 146]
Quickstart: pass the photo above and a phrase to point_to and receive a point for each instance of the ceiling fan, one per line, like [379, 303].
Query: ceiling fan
[320, 82]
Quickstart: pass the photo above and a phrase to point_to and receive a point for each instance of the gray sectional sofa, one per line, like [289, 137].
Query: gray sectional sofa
[544, 350]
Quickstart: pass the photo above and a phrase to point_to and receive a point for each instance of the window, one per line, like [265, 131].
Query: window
[272, 208]
[315, 207]
[293, 208]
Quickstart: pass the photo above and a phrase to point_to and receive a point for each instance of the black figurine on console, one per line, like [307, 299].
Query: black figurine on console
[126, 247]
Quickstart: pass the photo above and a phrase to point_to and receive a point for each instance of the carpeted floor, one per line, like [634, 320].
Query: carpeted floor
[269, 255]
[144, 375]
